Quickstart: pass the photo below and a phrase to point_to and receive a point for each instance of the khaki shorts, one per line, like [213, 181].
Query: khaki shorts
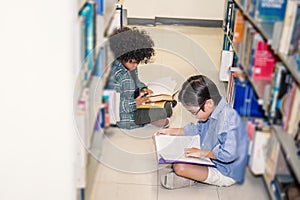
[217, 178]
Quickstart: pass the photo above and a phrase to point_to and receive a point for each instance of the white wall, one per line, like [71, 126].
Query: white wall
[195, 9]
[36, 85]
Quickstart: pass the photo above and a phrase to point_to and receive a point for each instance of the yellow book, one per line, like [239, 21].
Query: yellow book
[157, 104]
[162, 97]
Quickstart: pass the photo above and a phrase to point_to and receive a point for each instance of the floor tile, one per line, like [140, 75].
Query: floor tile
[196, 192]
[117, 191]
[252, 188]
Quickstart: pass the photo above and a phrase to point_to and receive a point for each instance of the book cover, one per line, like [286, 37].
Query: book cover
[238, 30]
[270, 10]
[170, 149]
[245, 100]
[113, 104]
[252, 7]
[247, 46]
[229, 17]
[226, 63]
[272, 155]
[288, 102]
[294, 48]
[230, 88]
[264, 62]
[288, 26]
[278, 102]
[295, 114]
[257, 159]
[275, 84]
[239, 26]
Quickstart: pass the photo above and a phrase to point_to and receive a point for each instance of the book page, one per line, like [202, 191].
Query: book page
[171, 149]
[163, 86]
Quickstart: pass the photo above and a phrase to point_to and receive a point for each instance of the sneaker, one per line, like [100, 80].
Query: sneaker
[173, 181]
[174, 103]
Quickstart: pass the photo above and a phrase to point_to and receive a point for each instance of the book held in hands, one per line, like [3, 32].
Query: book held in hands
[170, 149]
[164, 89]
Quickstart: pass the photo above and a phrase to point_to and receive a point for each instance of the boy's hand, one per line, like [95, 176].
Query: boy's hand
[192, 152]
[141, 99]
[197, 153]
[170, 131]
[162, 132]
[147, 91]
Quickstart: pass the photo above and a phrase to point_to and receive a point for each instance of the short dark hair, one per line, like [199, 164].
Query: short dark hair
[131, 43]
[197, 89]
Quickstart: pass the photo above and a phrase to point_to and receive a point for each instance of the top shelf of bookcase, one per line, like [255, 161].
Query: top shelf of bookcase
[266, 30]
[290, 150]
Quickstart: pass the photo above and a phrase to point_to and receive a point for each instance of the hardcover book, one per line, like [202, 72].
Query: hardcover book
[164, 89]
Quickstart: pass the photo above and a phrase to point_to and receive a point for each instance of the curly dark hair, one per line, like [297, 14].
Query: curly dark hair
[131, 43]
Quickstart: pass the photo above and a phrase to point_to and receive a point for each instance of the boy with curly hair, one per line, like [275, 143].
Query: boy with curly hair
[130, 47]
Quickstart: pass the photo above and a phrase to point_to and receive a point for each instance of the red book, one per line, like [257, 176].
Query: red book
[264, 62]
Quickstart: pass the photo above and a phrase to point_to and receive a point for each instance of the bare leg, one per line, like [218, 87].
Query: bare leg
[195, 172]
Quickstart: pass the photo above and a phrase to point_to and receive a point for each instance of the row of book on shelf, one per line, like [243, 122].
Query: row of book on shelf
[280, 20]
[283, 94]
[260, 85]
[266, 158]
[269, 89]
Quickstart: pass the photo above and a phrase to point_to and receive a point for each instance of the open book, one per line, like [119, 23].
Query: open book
[170, 149]
[162, 97]
[164, 89]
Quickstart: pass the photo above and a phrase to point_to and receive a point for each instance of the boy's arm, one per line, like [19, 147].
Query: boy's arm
[226, 149]
[170, 131]
[127, 102]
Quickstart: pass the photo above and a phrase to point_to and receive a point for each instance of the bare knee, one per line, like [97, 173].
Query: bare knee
[179, 169]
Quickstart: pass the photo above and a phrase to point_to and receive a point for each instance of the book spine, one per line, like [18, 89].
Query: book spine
[287, 27]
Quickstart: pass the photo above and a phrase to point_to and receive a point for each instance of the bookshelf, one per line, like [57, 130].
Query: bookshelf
[94, 17]
[265, 89]
[288, 145]
[291, 66]
[266, 31]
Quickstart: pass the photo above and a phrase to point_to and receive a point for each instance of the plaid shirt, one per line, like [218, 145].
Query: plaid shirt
[120, 80]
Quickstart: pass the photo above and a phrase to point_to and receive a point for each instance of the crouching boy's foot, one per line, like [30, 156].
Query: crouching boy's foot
[173, 181]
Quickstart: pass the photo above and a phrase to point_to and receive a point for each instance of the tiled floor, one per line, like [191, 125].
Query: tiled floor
[127, 166]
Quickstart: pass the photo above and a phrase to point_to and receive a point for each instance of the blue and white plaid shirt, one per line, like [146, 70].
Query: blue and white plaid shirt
[121, 81]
